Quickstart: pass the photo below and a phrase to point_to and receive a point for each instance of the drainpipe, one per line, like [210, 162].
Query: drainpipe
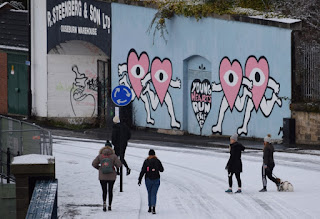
[29, 58]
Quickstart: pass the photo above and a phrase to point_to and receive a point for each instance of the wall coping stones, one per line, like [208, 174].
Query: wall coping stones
[286, 23]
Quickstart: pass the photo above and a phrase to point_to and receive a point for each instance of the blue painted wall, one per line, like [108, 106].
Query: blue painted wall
[231, 49]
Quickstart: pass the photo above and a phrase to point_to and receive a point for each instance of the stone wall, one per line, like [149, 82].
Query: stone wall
[307, 127]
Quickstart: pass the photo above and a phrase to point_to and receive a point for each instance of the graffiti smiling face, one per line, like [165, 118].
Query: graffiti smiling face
[161, 74]
[258, 73]
[137, 69]
[231, 79]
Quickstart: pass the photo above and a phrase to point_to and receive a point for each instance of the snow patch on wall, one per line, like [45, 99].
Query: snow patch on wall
[33, 159]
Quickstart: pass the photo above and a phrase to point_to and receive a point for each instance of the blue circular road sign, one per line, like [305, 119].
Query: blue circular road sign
[121, 95]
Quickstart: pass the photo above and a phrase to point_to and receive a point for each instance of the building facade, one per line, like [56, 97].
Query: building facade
[218, 75]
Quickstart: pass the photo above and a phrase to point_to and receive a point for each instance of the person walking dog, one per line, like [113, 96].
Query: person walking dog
[120, 136]
[268, 163]
[106, 162]
[151, 168]
[234, 165]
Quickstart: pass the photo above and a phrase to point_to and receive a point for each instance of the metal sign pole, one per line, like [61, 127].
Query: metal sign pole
[121, 158]
[121, 96]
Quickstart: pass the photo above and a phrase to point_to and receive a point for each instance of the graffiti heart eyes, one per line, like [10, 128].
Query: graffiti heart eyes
[137, 69]
[161, 74]
[258, 72]
[231, 79]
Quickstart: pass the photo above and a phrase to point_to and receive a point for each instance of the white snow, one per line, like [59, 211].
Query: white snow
[33, 159]
[17, 10]
[272, 16]
[13, 48]
[280, 20]
[192, 184]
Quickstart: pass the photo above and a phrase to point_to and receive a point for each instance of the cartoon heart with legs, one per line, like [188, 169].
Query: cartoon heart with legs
[138, 67]
[231, 79]
[161, 74]
[258, 73]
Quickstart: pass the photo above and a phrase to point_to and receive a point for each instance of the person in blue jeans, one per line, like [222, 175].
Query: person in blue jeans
[151, 168]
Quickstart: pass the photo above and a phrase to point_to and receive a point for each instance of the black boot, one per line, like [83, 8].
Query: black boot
[153, 209]
[149, 210]
[128, 171]
[109, 208]
[104, 207]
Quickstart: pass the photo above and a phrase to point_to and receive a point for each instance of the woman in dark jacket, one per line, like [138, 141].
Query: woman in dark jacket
[120, 136]
[151, 168]
[107, 179]
[268, 163]
[234, 165]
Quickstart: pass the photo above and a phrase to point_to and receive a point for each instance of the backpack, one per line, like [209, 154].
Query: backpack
[152, 169]
[106, 165]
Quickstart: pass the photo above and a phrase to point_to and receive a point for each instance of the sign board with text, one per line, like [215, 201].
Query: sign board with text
[86, 20]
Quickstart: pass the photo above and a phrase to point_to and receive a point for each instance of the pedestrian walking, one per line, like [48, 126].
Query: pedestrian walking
[151, 168]
[106, 162]
[234, 165]
[120, 136]
[268, 163]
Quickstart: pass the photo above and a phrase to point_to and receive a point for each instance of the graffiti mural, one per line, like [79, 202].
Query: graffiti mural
[258, 72]
[201, 100]
[255, 82]
[231, 80]
[150, 83]
[83, 92]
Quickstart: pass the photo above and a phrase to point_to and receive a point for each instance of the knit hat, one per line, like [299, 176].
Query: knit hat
[116, 119]
[108, 143]
[234, 137]
[152, 152]
[267, 138]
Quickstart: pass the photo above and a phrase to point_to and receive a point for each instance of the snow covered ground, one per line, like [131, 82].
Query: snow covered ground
[192, 185]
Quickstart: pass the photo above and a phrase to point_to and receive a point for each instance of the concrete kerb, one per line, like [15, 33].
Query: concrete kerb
[153, 137]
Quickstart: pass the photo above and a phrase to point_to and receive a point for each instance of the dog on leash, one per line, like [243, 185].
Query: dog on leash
[284, 186]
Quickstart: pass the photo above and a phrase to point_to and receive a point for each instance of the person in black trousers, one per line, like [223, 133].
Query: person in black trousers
[234, 165]
[120, 136]
[151, 168]
[268, 163]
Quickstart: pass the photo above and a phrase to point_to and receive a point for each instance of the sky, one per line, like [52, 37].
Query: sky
[192, 185]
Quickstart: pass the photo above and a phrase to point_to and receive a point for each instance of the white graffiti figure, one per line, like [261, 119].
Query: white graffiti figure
[138, 67]
[160, 75]
[258, 73]
[83, 92]
[231, 79]
[134, 74]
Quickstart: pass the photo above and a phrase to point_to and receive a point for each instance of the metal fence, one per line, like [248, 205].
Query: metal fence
[20, 138]
[310, 70]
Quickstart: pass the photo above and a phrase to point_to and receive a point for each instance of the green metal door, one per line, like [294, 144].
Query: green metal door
[18, 80]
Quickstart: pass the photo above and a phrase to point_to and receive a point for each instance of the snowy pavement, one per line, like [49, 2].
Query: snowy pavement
[192, 184]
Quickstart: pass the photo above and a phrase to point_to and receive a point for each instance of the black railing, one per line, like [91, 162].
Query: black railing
[20, 138]
[5, 167]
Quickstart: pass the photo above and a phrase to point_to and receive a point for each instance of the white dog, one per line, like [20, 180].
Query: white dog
[286, 187]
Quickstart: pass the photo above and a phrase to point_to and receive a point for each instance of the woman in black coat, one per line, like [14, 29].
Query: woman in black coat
[120, 136]
[234, 165]
[268, 163]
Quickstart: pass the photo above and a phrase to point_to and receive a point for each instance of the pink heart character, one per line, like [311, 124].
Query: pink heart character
[231, 79]
[258, 73]
[137, 69]
[161, 74]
